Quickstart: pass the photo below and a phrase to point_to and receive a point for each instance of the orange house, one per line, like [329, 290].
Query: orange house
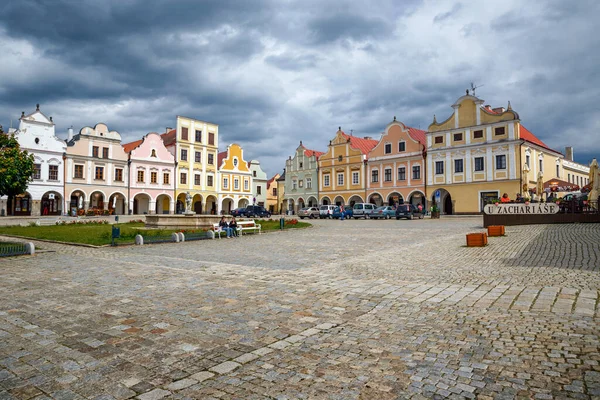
[342, 169]
[396, 166]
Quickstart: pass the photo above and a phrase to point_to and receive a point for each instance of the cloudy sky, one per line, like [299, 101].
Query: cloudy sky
[274, 72]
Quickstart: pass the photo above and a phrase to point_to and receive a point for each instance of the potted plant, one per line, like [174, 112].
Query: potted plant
[435, 211]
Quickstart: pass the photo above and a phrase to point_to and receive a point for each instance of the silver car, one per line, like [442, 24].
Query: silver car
[363, 210]
[310, 212]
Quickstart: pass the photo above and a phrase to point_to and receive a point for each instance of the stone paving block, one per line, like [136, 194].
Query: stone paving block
[155, 394]
[225, 367]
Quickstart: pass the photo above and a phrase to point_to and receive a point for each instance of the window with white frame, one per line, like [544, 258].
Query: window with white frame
[225, 183]
[300, 183]
[355, 178]
[246, 185]
[387, 174]
[52, 172]
[340, 179]
[37, 171]
[479, 164]
[401, 146]
[236, 184]
[309, 183]
[458, 166]
[375, 176]
[388, 148]
[294, 184]
[501, 161]
[326, 180]
[439, 167]
[401, 173]
[416, 172]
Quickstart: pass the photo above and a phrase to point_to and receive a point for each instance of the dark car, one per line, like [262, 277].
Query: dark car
[256, 211]
[408, 211]
[238, 212]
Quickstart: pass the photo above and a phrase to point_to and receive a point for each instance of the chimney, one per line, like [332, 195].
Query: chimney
[368, 137]
[569, 153]
[498, 110]
[70, 134]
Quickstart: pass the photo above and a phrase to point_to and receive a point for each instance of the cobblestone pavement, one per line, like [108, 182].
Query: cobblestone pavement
[343, 310]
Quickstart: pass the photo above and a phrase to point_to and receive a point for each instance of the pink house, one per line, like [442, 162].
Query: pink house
[151, 176]
[397, 166]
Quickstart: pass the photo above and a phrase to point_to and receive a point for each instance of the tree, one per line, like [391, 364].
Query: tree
[16, 168]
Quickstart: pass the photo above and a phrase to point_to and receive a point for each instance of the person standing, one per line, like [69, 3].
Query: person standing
[341, 212]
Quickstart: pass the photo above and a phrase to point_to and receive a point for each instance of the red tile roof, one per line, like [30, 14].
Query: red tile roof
[418, 134]
[220, 157]
[526, 135]
[271, 180]
[310, 153]
[364, 145]
[130, 146]
[169, 137]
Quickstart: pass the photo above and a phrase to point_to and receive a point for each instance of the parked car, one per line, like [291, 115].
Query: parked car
[326, 211]
[408, 211]
[310, 212]
[256, 211]
[238, 212]
[384, 212]
[338, 214]
[363, 210]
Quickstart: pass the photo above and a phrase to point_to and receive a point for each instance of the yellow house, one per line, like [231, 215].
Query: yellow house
[194, 144]
[481, 152]
[342, 169]
[272, 198]
[235, 180]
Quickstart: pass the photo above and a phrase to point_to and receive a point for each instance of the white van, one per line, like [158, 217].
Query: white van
[363, 210]
[326, 211]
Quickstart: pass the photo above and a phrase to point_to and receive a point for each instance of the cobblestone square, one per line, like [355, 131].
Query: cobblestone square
[343, 310]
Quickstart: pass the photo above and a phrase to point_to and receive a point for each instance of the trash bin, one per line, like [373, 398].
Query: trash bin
[281, 222]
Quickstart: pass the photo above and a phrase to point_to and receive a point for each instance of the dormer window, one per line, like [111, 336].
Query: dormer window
[300, 164]
[235, 162]
[388, 148]
[153, 153]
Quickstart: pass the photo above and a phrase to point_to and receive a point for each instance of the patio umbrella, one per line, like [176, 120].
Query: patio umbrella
[540, 185]
[525, 176]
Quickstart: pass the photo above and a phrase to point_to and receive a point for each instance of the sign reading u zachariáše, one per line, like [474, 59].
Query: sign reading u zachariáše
[519, 208]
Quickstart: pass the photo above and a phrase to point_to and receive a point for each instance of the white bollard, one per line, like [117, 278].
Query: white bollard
[139, 240]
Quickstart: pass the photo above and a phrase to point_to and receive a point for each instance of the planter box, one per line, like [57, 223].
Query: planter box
[476, 239]
[435, 214]
[496, 230]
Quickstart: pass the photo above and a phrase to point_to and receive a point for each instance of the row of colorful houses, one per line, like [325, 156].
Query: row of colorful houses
[475, 154]
[92, 172]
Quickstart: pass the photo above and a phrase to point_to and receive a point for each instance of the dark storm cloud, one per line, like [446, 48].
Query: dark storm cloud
[272, 73]
[331, 28]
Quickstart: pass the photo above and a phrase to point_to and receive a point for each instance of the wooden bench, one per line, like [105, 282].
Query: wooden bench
[218, 231]
[248, 226]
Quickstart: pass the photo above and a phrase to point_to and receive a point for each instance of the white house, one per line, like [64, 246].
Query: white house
[259, 183]
[44, 195]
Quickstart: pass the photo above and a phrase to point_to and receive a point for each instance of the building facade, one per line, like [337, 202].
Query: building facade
[480, 153]
[151, 176]
[45, 192]
[301, 182]
[396, 168]
[194, 144]
[280, 188]
[235, 180]
[259, 183]
[272, 201]
[343, 169]
[574, 173]
[97, 175]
